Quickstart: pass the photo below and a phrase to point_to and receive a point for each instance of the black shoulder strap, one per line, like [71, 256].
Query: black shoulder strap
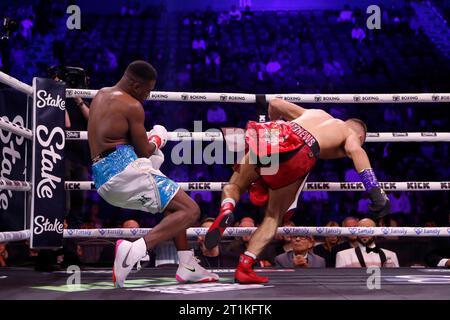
[360, 257]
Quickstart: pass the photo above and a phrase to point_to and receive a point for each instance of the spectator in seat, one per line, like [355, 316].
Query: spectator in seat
[300, 256]
[239, 245]
[209, 258]
[325, 250]
[350, 241]
[285, 241]
[367, 253]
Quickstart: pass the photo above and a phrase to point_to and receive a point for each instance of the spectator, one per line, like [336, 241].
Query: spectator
[198, 44]
[358, 34]
[273, 66]
[325, 250]
[286, 244]
[351, 241]
[367, 253]
[25, 28]
[209, 258]
[130, 224]
[346, 15]
[247, 222]
[239, 245]
[235, 14]
[300, 255]
[106, 257]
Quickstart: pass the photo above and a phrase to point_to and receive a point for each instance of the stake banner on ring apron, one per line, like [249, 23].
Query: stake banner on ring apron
[13, 154]
[48, 204]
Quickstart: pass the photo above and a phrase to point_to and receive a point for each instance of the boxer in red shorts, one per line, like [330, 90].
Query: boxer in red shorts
[291, 146]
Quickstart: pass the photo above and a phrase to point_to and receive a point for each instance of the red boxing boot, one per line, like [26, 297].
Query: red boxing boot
[245, 274]
[224, 220]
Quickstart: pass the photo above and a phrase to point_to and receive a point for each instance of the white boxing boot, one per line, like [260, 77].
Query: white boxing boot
[127, 254]
[190, 271]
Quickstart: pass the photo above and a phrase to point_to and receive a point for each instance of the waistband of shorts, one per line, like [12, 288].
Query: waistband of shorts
[114, 163]
[104, 154]
[306, 137]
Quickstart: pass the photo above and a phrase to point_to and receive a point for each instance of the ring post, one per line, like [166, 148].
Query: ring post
[48, 205]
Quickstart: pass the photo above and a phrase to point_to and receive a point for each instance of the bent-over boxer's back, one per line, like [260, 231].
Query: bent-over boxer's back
[328, 131]
[108, 124]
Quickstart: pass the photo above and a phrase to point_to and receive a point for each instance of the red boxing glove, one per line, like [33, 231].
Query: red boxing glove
[156, 140]
[158, 136]
[259, 193]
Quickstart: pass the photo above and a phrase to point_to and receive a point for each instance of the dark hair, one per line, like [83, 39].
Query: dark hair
[141, 71]
[361, 123]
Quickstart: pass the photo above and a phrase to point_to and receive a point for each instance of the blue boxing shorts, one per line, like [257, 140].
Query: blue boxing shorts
[126, 181]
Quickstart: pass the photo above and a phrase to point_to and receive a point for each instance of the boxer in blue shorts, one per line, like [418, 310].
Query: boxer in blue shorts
[126, 173]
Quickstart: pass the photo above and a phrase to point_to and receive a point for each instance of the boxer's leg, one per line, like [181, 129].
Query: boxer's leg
[181, 213]
[231, 194]
[279, 202]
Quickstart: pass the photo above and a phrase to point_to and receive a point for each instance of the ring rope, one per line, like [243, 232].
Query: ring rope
[309, 186]
[240, 231]
[14, 185]
[6, 184]
[15, 235]
[251, 98]
[16, 84]
[282, 231]
[15, 128]
[301, 98]
[218, 136]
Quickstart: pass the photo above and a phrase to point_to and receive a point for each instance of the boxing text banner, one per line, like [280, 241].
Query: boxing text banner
[48, 205]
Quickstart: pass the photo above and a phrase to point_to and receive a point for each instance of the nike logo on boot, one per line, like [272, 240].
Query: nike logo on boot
[124, 264]
[192, 269]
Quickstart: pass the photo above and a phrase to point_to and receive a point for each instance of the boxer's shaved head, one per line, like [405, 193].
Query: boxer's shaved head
[141, 71]
[359, 127]
[139, 80]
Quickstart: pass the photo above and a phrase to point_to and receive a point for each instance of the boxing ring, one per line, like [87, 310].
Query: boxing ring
[402, 283]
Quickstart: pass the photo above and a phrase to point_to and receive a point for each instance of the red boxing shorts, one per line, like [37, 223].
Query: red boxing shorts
[297, 150]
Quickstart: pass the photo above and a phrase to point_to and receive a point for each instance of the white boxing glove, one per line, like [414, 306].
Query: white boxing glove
[158, 136]
[157, 159]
